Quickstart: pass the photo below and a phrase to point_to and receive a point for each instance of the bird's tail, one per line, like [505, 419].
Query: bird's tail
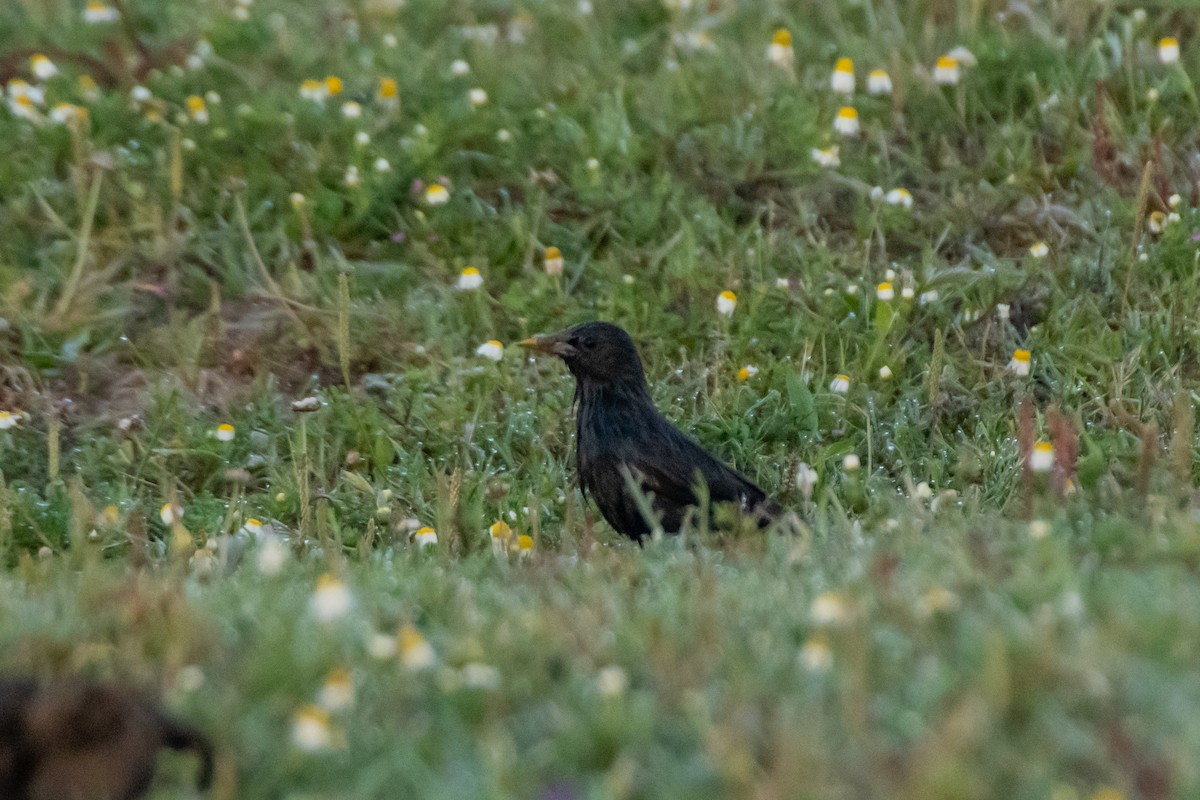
[179, 735]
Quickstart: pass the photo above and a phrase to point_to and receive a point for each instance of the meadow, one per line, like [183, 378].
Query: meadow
[926, 270]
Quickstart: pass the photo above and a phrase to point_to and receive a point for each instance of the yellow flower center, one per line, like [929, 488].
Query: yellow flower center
[328, 581]
[410, 639]
[338, 678]
[314, 714]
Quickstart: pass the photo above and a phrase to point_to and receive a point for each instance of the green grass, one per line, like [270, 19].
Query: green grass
[1000, 635]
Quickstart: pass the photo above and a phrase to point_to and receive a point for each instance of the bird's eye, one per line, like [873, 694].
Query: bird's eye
[588, 343]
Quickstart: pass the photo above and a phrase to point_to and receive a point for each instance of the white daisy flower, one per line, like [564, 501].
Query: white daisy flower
[846, 122]
[332, 600]
[842, 80]
[492, 350]
[97, 12]
[827, 157]
[1168, 50]
[828, 608]
[469, 280]
[612, 681]
[879, 82]
[1042, 457]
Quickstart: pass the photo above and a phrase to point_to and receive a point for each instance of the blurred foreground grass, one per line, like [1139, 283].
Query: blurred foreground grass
[245, 204]
[940, 656]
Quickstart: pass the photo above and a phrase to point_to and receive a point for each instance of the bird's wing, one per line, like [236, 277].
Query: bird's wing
[622, 444]
[670, 468]
[656, 465]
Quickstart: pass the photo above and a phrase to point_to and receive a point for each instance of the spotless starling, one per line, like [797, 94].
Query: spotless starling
[621, 438]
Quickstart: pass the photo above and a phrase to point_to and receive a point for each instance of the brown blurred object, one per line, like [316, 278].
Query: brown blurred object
[76, 740]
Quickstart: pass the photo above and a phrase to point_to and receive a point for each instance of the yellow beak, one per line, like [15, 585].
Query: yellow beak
[555, 345]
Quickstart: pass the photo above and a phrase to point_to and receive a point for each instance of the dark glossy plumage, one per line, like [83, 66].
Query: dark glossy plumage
[621, 435]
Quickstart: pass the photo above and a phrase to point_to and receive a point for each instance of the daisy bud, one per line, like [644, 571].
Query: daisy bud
[310, 729]
[879, 82]
[947, 72]
[1168, 50]
[553, 261]
[827, 157]
[97, 12]
[492, 350]
[899, 197]
[415, 652]
[779, 52]
[815, 655]
[1021, 362]
[469, 280]
[842, 81]
[332, 600]
[846, 122]
[1042, 457]
[828, 608]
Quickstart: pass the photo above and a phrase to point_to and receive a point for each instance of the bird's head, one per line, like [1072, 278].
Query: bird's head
[595, 352]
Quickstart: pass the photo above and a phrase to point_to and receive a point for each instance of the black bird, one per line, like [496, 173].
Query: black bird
[622, 438]
[76, 740]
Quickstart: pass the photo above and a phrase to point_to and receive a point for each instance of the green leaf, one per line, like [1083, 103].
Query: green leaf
[804, 406]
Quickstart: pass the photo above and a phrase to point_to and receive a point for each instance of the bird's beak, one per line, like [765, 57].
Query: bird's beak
[555, 345]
